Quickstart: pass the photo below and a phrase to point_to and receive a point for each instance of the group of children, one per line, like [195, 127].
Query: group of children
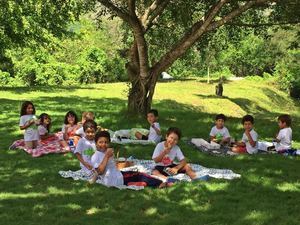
[249, 143]
[96, 157]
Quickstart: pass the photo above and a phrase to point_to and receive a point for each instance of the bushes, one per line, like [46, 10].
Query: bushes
[5, 78]
[93, 66]
[287, 72]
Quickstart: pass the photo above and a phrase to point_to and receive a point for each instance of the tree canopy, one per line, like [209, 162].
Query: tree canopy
[157, 32]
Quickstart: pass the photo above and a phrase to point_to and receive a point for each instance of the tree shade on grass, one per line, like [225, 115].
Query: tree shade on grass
[32, 192]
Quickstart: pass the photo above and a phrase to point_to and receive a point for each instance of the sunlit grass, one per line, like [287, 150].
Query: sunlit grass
[32, 192]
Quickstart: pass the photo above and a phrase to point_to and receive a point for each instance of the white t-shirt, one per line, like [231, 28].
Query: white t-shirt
[42, 130]
[215, 132]
[111, 176]
[250, 149]
[86, 149]
[31, 133]
[169, 158]
[80, 132]
[285, 137]
[153, 136]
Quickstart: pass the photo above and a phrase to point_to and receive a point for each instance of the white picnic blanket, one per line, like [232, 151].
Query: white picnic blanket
[146, 166]
[125, 136]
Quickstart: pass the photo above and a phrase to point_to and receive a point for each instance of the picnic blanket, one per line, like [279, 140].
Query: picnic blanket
[127, 136]
[219, 150]
[146, 166]
[48, 146]
[210, 148]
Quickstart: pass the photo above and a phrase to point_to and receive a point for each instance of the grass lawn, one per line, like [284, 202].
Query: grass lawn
[32, 192]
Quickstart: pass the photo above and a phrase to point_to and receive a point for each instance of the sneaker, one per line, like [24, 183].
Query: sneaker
[172, 180]
[94, 177]
[204, 178]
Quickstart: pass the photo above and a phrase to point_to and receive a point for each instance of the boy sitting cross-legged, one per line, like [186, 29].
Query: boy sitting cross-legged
[164, 154]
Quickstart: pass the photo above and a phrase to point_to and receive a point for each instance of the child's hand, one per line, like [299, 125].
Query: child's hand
[88, 166]
[173, 170]
[109, 152]
[168, 147]
[247, 132]
[29, 122]
[37, 122]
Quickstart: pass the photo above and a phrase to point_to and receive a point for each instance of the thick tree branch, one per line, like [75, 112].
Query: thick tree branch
[152, 12]
[131, 6]
[121, 13]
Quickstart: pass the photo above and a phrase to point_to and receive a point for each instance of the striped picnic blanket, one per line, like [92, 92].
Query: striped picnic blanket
[48, 146]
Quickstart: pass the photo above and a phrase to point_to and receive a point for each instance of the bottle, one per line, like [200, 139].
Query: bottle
[71, 144]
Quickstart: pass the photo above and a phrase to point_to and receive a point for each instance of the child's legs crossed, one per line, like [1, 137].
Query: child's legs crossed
[138, 135]
[150, 181]
[189, 171]
[31, 144]
[28, 144]
[158, 171]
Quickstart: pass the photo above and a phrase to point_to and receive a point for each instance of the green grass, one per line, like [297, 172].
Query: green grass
[32, 192]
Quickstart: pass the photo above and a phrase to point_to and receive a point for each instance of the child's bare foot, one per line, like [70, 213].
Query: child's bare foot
[165, 184]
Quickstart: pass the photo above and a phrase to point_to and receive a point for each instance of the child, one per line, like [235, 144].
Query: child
[154, 132]
[86, 146]
[85, 116]
[219, 133]
[70, 125]
[29, 122]
[44, 127]
[164, 154]
[284, 137]
[104, 164]
[250, 137]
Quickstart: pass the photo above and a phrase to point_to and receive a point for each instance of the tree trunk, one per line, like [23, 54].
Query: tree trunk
[141, 92]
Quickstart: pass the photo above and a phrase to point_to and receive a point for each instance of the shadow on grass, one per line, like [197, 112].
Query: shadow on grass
[32, 191]
[266, 194]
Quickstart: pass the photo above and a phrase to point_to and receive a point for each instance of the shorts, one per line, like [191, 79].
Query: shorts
[140, 179]
[144, 137]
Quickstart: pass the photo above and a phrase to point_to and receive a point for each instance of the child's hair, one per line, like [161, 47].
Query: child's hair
[248, 118]
[24, 107]
[221, 117]
[88, 115]
[102, 133]
[89, 124]
[42, 117]
[71, 113]
[154, 112]
[285, 118]
[174, 130]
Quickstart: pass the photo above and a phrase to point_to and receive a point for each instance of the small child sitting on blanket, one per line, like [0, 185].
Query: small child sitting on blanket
[164, 154]
[86, 146]
[104, 164]
[249, 139]
[154, 132]
[284, 136]
[69, 127]
[219, 133]
[79, 133]
[44, 127]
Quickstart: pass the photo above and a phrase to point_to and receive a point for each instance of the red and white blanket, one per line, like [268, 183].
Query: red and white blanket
[48, 146]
